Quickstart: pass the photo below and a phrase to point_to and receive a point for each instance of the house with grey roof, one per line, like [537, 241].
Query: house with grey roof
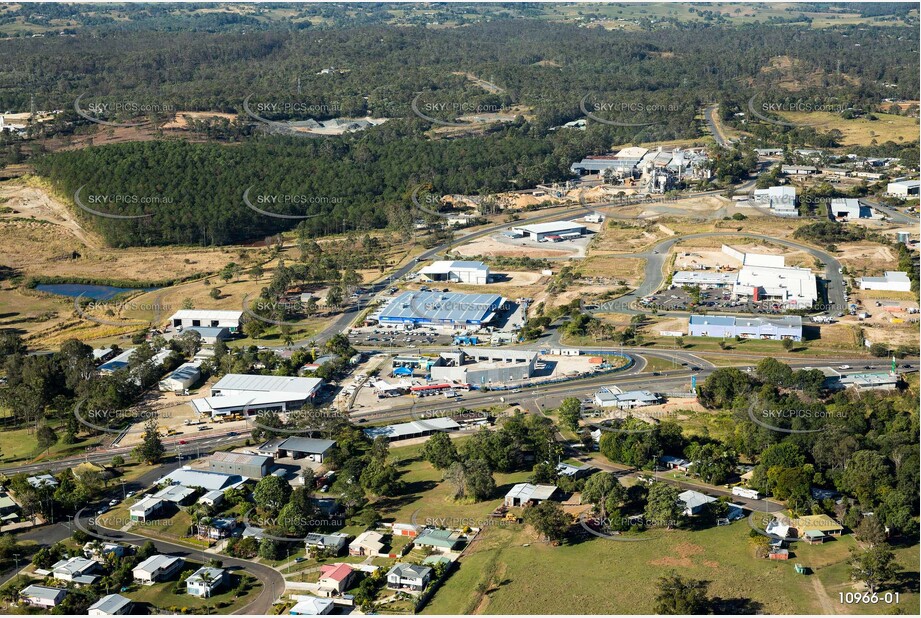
[158, 568]
[204, 582]
[297, 447]
[110, 605]
[404, 576]
[42, 596]
[333, 543]
[694, 502]
[78, 570]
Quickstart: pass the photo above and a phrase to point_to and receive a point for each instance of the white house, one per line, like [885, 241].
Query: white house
[694, 502]
[158, 568]
[403, 576]
[212, 318]
[308, 605]
[110, 605]
[206, 581]
[145, 508]
[78, 569]
[97, 549]
[42, 596]
[368, 543]
[891, 281]
[457, 272]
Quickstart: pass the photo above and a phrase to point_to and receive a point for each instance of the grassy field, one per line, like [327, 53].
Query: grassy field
[165, 595]
[859, 131]
[512, 572]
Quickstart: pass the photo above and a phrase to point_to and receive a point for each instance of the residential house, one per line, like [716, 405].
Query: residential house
[694, 502]
[78, 570]
[331, 543]
[335, 578]
[42, 480]
[410, 530]
[110, 605]
[438, 539]
[98, 549]
[204, 582]
[311, 606]
[368, 543]
[145, 509]
[158, 568]
[403, 576]
[42, 596]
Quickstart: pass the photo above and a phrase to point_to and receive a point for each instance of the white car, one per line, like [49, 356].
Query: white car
[844, 367]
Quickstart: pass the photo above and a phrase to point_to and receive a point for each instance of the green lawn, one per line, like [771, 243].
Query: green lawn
[512, 572]
[20, 445]
[165, 594]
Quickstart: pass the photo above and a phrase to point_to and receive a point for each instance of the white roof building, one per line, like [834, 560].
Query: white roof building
[311, 606]
[158, 567]
[184, 376]
[848, 208]
[903, 188]
[891, 281]
[537, 231]
[457, 272]
[43, 596]
[368, 543]
[780, 199]
[704, 278]
[110, 605]
[207, 317]
[614, 397]
[238, 392]
[694, 501]
[788, 285]
[523, 493]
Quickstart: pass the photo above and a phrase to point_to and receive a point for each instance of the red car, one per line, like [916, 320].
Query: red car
[183, 442]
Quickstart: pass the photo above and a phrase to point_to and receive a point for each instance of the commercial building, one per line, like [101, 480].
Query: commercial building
[252, 466]
[457, 272]
[785, 327]
[204, 479]
[443, 309]
[798, 170]
[185, 318]
[251, 394]
[524, 494]
[296, 447]
[110, 605]
[614, 397]
[876, 381]
[847, 209]
[704, 279]
[904, 189]
[484, 366]
[182, 378]
[158, 568]
[780, 199]
[790, 286]
[891, 281]
[210, 334]
[413, 429]
[204, 582]
[558, 229]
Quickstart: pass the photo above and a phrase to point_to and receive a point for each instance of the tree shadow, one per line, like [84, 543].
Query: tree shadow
[736, 606]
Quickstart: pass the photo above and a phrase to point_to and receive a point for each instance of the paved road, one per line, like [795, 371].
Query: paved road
[896, 215]
[654, 276]
[713, 123]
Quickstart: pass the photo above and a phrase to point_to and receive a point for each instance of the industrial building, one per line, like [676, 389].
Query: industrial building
[484, 366]
[780, 199]
[238, 392]
[552, 230]
[788, 285]
[904, 189]
[457, 272]
[182, 378]
[296, 447]
[869, 381]
[413, 429]
[524, 494]
[441, 309]
[204, 479]
[185, 318]
[704, 279]
[252, 466]
[891, 281]
[798, 170]
[847, 209]
[728, 326]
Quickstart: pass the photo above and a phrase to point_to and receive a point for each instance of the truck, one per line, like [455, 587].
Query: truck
[745, 492]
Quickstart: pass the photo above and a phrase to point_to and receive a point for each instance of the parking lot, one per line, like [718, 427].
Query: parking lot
[717, 299]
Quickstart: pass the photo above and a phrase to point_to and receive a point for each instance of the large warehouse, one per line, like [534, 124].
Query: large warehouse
[904, 188]
[730, 326]
[891, 281]
[444, 309]
[212, 318]
[236, 392]
[457, 272]
[551, 230]
[252, 466]
[780, 199]
[787, 285]
[484, 366]
[848, 208]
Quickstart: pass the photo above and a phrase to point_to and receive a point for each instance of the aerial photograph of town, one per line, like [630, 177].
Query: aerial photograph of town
[455, 308]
